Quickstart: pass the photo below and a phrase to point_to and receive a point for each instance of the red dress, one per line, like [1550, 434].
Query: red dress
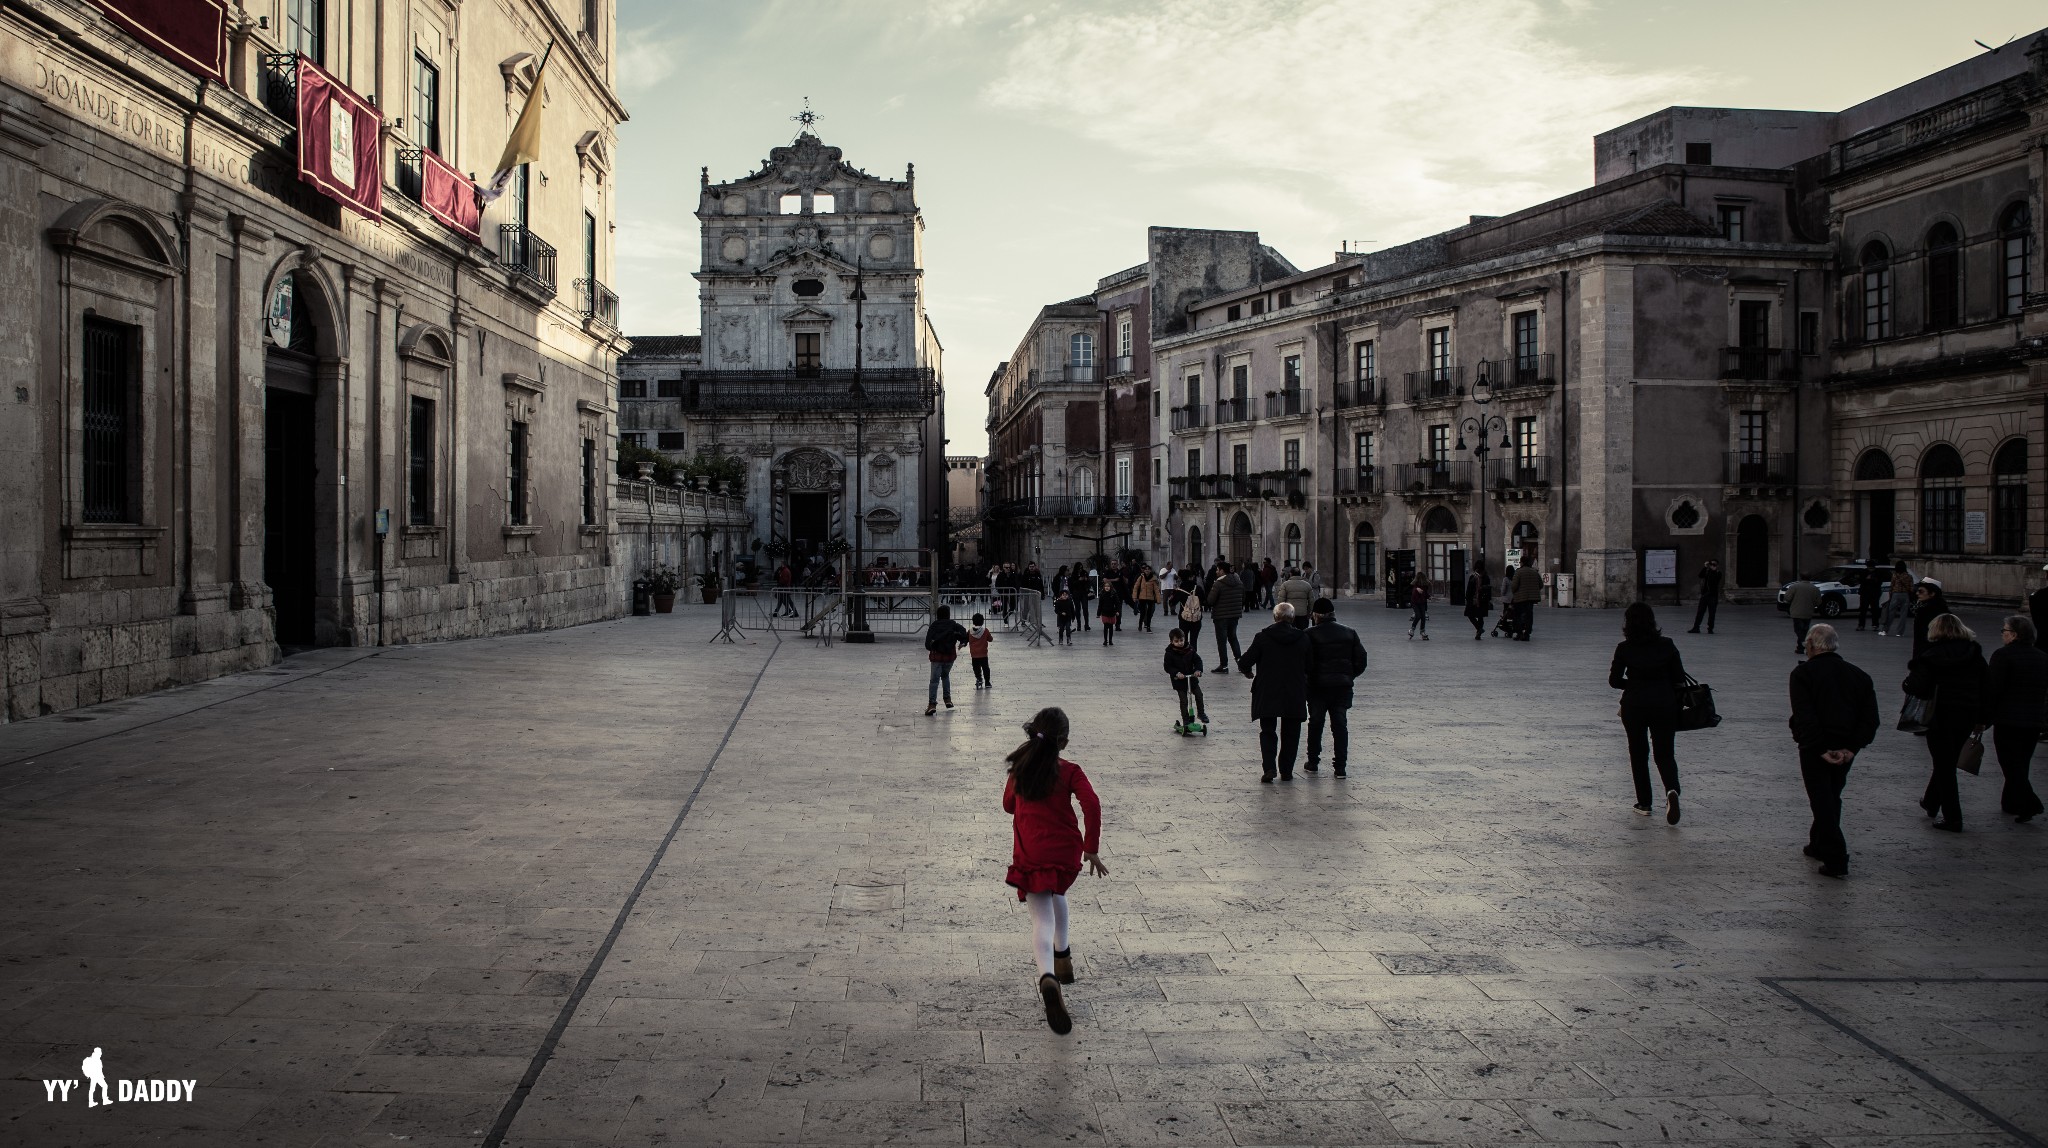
[1046, 839]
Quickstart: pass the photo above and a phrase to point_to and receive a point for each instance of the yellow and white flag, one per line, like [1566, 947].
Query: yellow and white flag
[524, 146]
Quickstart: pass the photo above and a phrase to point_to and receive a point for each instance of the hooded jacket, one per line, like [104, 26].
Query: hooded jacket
[2017, 693]
[1335, 658]
[1279, 655]
[1226, 598]
[1953, 673]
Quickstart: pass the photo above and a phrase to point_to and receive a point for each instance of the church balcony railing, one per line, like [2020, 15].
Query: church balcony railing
[522, 252]
[278, 84]
[894, 389]
[597, 301]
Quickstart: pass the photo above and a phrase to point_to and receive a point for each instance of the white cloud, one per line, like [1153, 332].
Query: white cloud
[646, 59]
[1402, 115]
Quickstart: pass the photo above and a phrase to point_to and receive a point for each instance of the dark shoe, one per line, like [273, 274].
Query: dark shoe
[1311, 767]
[1930, 810]
[1287, 777]
[1642, 810]
[2023, 818]
[1694, 630]
[949, 703]
[1947, 826]
[1337, 772]
[930, 710]
[1265, 779]
[1670, 807]
[1063, 966]
[1834, 869]
[1808, 850]
[1055, 1008]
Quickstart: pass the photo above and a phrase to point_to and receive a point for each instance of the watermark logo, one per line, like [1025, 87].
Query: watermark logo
[98, 1093]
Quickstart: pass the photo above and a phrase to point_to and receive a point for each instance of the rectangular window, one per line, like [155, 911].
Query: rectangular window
[1699, 153]
[1194, 461]
[109, 416]
[1439, 355]
[824, 203]
[1233, 313]
[516, 190]
[633, 438]
[419, 473]
[1361, 450]
[1524, 325]
[1286, 298]
[1290, 373]
[1526, 446]
[1753, 324]
[305, 29]
[1240, 459]
[2014, 250]
[1877, 303]
[426, 103]
[1941, 516]
[1752, 437]
[590, 255]
[1123, 335]
[1440, 444]
[1809, 332]
[670, 439]
[809, 358]
[1158, 471]
[1259, 306]
[668, 388]
[516, 476]
[1194, 391]
[1364, 366]
[590, 482]
[2009, 514]
[1155, 404]
[1123, 478]
[632, 388]
[1290, 454]
[1731, 222]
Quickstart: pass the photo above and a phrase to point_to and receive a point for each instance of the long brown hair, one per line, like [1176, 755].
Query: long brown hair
[1035, 764]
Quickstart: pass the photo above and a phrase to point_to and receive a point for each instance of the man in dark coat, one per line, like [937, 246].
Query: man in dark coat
[1710, 596]
[1929, 603]
[1279, 654]
[1226, 604]
[2037, 609]
[2016, 706]
[1834, 715]
[1870, 586]
[1335, 658]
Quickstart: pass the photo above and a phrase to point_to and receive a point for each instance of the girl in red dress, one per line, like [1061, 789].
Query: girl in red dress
[1048, 847]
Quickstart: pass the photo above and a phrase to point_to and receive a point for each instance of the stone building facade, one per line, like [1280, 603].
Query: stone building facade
[1075, 468]
[812, 282]
[248, 416]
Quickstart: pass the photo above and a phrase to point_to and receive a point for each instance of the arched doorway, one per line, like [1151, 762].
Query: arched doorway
[1523, 538]
[808, 486]
[1365, 571]
[291, 459]
[1240, 540]
[1443, 554]
[1291, 546]
[1195, 547]
[1753, 551]
[1876, 510]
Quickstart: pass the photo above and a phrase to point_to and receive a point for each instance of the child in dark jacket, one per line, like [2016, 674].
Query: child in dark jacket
[1184, 669]
[1064, 609]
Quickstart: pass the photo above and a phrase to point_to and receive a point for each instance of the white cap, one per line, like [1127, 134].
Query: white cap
[1930, 582]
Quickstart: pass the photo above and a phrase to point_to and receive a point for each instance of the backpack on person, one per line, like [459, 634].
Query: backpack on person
[1191, 610]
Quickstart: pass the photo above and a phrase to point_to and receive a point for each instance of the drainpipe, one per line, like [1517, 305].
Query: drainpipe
[1564, 440]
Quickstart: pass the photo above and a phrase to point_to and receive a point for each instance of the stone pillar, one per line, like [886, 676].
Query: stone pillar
[209, 308]
[1606, 561]
[28, 393]
[245, 450]
[462, 377]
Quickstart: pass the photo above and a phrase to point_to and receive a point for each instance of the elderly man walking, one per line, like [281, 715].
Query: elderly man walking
[1226, 605]
[1527, 589]
[1279, 655]
[1335, 659]
[1834, 715]
[1802, 598]
[1296, 592]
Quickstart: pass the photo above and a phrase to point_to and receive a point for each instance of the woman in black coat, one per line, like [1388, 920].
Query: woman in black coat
[1648, 671]
[2016, 705]
[1929, 603]
[1950, 671]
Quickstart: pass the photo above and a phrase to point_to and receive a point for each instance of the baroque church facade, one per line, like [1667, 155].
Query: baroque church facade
[818, 371]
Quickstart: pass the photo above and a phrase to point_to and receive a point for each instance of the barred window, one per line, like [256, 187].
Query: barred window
[2009, 498]
[108, 423]
[1941, 500]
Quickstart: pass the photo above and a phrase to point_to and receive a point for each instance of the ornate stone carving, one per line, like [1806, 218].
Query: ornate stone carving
[882, 342]
[882, 475]
[805, 163]
[732, 339]
[809, 469]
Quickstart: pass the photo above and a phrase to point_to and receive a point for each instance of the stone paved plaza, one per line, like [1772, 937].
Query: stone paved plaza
[442, 895]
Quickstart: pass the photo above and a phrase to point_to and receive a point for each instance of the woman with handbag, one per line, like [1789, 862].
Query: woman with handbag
[1951, 673]
[1648, 672]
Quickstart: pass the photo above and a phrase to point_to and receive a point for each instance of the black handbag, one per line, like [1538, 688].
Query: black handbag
[1971, 759]
[1916, 715]
[1696, 705]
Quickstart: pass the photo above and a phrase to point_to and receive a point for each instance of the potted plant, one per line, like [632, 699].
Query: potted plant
[663, 581]
[708, 583]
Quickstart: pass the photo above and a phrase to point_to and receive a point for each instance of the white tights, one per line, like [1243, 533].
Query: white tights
[1048, 925]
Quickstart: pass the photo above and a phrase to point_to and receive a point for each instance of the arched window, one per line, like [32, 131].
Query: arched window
[1365, 558]
[2016, 256]
[1195, 546]
[1873, 465]
[1877, 291]
[1439, 520]
[1081, 349]
[1292, 538]
[1941, 500]
[1944, 276]
[2009, 498]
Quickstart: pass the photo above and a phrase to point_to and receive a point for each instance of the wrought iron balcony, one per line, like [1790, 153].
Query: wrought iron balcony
[409, 173]
[278, 79]
[1448, 475]
[1525, 472]
[1519, 371]
[1120, 365]
[1280, 404]
[1191, 417]
[1751, 363]
[523, 253]
[1355, 481]
[1233, 411]
[1361, 392]
[1436, 383]
[895, 389]
[596, 301]
[1749, 468]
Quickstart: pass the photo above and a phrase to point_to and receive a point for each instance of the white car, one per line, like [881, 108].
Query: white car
[1840, 590]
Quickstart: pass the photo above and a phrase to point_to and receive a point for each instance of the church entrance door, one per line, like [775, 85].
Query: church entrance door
[809, 519]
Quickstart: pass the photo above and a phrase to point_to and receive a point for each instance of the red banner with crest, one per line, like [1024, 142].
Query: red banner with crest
[339, 150]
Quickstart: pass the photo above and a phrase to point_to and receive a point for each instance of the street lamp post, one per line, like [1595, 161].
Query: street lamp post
[857, 619]
[1479, 427]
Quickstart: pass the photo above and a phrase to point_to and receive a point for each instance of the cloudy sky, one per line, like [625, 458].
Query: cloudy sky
[1048, 134]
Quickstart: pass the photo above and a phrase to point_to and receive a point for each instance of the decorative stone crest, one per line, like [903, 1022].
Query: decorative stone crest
[809, 469]
[805, 163]
[882, 475]
[732, 339]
